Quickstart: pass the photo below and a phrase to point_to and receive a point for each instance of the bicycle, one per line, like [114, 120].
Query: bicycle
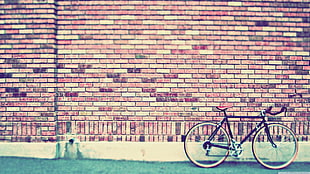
[274, 145]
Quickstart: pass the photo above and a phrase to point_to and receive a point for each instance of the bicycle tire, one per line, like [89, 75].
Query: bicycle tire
[282, 154]
[197, 136]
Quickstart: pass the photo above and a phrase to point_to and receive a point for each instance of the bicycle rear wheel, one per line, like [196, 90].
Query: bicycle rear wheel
[278, 155]
[208, 156]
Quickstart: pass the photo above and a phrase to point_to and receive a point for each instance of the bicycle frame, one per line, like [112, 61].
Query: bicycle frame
[263, 123]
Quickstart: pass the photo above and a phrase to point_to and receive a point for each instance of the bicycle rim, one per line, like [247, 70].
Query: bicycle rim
[197, 154]
[277, 156]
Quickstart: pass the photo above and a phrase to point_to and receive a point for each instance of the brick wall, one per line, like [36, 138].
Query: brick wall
[27, 74]
[148, 70]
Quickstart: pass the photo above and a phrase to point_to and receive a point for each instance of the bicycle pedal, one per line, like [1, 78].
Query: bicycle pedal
[236, 156]
[237, 153]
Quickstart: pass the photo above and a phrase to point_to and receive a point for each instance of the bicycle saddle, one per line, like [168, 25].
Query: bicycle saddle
[223, 108]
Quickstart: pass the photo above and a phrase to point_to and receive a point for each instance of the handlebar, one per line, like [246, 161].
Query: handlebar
[268, 111]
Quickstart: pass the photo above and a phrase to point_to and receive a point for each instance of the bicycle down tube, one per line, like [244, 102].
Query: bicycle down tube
[219, 125]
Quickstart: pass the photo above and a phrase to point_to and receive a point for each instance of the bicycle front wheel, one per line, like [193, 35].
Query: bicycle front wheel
[276, 150]
[202, 154]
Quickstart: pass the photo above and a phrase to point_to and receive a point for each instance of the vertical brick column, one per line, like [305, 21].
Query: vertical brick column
[27, 70]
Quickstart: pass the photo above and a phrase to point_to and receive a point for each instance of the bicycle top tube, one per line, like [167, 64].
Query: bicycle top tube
[254, 117]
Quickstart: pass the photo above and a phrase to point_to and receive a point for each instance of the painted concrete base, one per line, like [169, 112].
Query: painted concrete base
[138, 151]
[29, 150]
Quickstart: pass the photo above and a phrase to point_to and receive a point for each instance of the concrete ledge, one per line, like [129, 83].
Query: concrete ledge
[138, 151]
[29, 150]
[156, 151]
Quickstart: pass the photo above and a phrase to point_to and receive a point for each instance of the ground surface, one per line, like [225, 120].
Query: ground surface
[9, 165]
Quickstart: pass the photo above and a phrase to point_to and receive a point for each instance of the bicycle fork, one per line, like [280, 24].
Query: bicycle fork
[273, 144]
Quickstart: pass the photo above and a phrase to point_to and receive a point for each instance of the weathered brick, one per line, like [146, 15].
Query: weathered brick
[11, 89]
[6, 75]
[303, 34]
[106, 90]
[11, 1]
[39, 70]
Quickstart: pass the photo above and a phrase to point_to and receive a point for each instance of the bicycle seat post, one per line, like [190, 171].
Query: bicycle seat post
[225, 114]
[223, 109]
